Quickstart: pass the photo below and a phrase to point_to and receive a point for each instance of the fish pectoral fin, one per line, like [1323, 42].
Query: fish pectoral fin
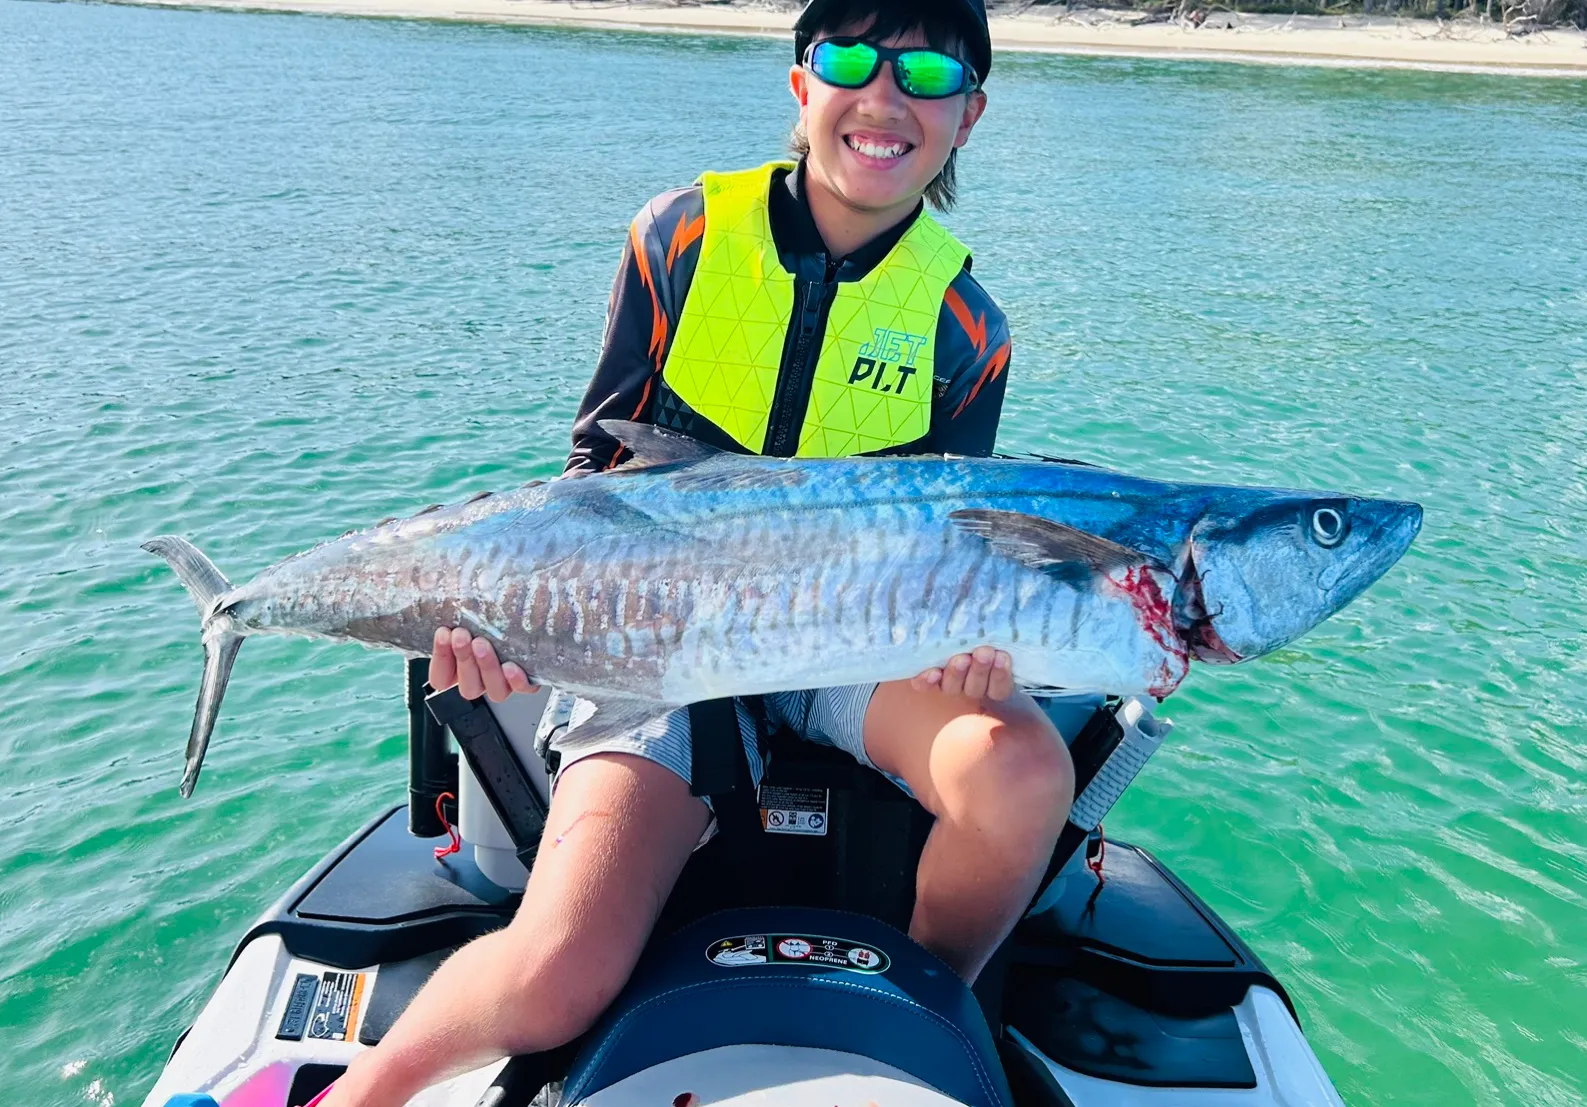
[653, 445]
[598, 718]
[1043, 544]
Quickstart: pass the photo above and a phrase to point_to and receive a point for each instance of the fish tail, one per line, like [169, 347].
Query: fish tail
[206, 585]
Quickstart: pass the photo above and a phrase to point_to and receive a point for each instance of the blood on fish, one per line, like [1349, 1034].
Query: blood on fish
[1167, 681]
[1156, 615]
[1212, 646]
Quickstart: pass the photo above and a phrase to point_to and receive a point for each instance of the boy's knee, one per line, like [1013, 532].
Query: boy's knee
[1032, 766]
[1013, 767]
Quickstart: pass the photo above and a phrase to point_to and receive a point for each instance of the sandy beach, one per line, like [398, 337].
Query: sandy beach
[1460, 45]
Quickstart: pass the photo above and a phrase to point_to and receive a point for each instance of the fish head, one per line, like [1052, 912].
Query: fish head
[1257, 578]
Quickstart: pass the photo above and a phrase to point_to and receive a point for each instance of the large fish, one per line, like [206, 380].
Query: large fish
[690, 574]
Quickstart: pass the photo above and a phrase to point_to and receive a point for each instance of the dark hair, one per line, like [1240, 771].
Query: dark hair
[943, 24]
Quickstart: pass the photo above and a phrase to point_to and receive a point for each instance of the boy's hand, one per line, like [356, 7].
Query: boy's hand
[471, 663]
[983, 673]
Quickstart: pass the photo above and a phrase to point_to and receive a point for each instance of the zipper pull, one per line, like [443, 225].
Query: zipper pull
[810, 297]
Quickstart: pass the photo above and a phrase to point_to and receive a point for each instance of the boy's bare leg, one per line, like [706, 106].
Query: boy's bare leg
[999, 780]
[618, 834]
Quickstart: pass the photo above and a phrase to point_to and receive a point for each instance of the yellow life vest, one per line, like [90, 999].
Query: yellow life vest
[873, 381]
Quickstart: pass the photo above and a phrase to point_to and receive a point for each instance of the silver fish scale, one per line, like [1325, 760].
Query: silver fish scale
[893, 599]
[675, 587]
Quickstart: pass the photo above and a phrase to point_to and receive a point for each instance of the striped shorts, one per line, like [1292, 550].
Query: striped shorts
[827, 716]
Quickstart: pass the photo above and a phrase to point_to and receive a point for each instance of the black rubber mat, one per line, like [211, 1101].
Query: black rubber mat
[395, 987]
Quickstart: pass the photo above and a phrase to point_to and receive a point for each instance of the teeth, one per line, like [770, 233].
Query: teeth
[878, 150]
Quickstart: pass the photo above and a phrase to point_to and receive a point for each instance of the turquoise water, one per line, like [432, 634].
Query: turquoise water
[265, 278]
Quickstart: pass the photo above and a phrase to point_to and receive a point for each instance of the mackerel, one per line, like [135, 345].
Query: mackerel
[690, 574]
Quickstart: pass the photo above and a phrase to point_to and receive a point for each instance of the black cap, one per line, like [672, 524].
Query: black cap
[972, 13]
[981, 37]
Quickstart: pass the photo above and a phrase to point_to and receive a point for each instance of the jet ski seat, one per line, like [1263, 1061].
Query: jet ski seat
[801, 977]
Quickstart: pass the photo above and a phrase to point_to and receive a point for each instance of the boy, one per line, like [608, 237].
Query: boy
[809, 310]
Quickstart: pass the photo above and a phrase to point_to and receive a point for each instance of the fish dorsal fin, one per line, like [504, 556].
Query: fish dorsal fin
[652, 445]
[1043, 544]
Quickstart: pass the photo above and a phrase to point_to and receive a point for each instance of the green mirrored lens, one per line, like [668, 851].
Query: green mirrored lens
[850, 66]
[928, 73]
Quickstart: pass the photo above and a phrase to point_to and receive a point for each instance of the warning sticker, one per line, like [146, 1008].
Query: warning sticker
[786, 810]
[335, 1016]
[750, 950]
[793, 949]
[797, 949]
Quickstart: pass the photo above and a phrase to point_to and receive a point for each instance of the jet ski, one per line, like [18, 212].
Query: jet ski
[780, 972]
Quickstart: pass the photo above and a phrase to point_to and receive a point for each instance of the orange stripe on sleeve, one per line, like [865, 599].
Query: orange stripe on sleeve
[994, 369]
[644, 399]
[658, 318]
[686, 235]
[974, 327]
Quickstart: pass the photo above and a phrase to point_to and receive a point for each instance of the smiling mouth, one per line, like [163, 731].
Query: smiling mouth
[890, 150]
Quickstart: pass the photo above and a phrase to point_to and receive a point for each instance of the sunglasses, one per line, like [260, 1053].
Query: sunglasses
[923, 74]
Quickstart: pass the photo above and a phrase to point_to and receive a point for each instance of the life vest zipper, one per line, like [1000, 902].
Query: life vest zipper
[801, 354]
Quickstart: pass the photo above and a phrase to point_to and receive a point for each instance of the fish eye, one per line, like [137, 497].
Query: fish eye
[1328, 526]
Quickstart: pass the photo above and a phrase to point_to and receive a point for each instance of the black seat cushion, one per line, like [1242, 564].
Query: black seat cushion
[912, 1013]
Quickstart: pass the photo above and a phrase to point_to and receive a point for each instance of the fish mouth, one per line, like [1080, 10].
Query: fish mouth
[1194, 622]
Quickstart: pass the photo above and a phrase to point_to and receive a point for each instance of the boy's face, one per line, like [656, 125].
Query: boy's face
[874, 147]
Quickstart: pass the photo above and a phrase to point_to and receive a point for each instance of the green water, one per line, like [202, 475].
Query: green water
[265, 278]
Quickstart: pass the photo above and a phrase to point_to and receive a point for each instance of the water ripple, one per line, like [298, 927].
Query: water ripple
[263, 279]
